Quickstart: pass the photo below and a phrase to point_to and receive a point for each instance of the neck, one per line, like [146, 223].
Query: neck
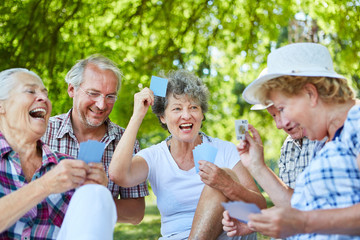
[337, 116]
[20, 141]
[183, 150]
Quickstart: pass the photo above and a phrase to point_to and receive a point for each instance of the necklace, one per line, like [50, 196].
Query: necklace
[168, 140]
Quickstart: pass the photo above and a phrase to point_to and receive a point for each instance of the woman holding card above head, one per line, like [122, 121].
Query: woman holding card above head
[325, 203]
[36, 184]
[189, 202]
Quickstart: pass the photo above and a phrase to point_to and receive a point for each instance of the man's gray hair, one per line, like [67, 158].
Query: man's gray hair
[75, 75]
[7, 82]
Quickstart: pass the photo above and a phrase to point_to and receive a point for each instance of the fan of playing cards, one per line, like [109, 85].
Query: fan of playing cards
[205, 152]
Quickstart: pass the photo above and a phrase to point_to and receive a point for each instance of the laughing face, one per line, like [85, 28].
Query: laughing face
[183, 118]
[28, 108]
[87, 111]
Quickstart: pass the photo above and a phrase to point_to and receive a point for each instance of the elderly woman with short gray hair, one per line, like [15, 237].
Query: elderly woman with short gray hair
[189, 202]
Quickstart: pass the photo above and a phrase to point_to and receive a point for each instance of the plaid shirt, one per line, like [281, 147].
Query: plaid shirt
[294, 158]
[60, 137]
[44, 220]
[332, 180]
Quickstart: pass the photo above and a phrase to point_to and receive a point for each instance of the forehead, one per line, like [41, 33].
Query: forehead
[23, 78]
[93, 75]
[181, 99]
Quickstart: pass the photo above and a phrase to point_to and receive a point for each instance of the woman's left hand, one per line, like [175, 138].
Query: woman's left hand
[96, 175]
[213, 176]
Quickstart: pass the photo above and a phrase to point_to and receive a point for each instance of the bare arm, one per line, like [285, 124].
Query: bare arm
[235, 184]
[68, 174]
[284, 222]
[252, 156]
[245, 189]
[334, 221]
[130, 210]
[125, 170]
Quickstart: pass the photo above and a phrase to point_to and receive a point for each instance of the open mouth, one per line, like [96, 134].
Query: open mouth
[186, 126]
[38, 113]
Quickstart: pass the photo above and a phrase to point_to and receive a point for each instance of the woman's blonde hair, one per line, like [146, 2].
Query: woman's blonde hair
[336, 90]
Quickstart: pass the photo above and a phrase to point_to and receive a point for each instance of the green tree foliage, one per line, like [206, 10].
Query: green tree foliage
[224, 42]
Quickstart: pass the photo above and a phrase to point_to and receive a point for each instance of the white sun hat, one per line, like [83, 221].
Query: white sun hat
[297, 59]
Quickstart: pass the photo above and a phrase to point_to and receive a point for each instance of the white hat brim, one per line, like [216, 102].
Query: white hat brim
[251, 92]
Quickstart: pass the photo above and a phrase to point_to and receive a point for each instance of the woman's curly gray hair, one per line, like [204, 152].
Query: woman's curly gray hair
[180, 83]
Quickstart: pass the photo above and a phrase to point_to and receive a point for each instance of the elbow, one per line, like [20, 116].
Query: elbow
[263, 203]
[137, 220]
[116, 178]
[133, 221]
[120, 180]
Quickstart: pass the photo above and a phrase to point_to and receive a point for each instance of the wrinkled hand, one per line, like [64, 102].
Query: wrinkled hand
[234, 227]
[213, 176]
[96, 175]
[142, 101]
[251, 151]
[278, 222]
[68, 174]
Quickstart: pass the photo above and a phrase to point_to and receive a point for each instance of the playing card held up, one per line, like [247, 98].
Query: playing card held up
[241, 127]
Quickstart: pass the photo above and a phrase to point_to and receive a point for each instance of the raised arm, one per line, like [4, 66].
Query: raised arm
[252, 157]
[125, 170]
[68, 174]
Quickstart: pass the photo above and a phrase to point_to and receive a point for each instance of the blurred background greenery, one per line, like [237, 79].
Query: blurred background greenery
[224, 42]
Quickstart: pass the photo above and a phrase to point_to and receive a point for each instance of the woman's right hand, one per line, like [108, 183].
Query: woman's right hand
[234, 227]
[251, 150]
[68, 174]
[142, 101]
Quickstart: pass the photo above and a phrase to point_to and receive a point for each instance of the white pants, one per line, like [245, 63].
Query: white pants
[91, 215]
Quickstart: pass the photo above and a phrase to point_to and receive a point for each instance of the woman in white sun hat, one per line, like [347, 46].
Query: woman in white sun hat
[303, 86]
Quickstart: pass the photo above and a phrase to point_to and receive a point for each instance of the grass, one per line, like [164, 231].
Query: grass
[149, 228]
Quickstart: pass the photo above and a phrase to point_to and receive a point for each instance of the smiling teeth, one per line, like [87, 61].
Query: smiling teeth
[186, 125]
[38, 112]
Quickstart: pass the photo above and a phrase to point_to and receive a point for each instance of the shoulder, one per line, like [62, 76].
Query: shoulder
[115, 129]
[353, 118]
[58, 121]
[154, 148]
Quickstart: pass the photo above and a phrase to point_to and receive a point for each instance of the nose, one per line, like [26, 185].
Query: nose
[278, 122]
[285, 123]
[185, 114]
[42, 97]
[100, 103]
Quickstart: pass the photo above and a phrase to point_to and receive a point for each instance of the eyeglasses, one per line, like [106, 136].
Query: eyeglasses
[95, 96]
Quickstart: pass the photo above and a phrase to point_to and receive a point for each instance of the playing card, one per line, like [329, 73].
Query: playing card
[241, 210]
[91, 151]
[241, 127]
[205, 152]
[158, 86]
